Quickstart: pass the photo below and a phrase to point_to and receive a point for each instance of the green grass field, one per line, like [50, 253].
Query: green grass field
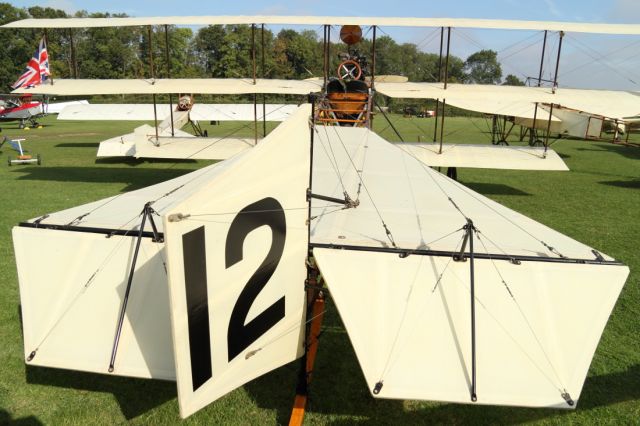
[597, 202]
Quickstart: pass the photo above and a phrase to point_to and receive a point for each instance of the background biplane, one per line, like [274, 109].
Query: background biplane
[245, 260]
[22, 109]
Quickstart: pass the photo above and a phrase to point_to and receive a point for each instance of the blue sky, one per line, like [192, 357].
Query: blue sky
[587, 60]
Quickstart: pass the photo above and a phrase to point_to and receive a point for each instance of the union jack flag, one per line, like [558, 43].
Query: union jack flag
[37, 69]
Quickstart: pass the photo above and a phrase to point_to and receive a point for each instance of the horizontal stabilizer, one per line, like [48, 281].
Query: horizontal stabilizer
[536, 326]
[71, 288]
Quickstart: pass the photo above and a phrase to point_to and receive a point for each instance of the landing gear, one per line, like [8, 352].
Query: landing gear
[315, 314]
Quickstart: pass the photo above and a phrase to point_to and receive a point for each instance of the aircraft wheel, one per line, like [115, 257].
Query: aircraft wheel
[39, 162]
[503, 142]
[9, 161]
[21, 126]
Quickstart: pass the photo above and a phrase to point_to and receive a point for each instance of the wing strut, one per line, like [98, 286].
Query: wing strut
[315, 297]
[459, 257]
[147, 212]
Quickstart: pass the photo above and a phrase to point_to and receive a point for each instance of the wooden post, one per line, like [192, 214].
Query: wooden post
[315, 314]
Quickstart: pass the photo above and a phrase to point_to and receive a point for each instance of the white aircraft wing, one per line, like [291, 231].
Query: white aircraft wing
[500, 106]
[59, 107]
[595, 28]
[199, 112]
[485, 156]
[120, 112]
[241, 112]
[487, 98]
[541, 299]
[220, 86]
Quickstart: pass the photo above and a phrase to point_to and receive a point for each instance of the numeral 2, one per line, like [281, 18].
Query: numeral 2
[269, 212]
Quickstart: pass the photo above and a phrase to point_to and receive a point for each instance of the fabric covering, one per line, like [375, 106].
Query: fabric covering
[331, 20]
[217, 86]
[408, 316]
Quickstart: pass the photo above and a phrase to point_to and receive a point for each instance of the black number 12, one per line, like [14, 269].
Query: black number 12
[266, 212]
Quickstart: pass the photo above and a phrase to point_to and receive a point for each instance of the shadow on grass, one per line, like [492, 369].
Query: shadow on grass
[135, 178]
[339, 390]
[635, 184]
[494, 188]
[135, 161]
[78, 145]
[5, 419]
[628, 151]
[134, 396]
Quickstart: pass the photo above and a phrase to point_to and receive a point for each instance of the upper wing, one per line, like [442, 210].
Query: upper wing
[631, 29]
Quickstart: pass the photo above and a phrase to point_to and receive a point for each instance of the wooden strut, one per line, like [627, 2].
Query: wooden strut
[315, 314]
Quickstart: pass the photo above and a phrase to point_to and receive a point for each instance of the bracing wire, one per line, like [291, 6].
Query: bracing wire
[392, 351]
[366, 189]
[526, 319]
[85, 286]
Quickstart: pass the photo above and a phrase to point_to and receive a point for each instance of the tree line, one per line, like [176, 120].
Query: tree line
[213, 51]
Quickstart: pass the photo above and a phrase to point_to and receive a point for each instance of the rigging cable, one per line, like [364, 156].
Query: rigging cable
[84, 288]
[561, 387]
[388, 364]
[384, 225]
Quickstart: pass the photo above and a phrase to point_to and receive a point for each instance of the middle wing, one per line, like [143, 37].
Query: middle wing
[606, 103]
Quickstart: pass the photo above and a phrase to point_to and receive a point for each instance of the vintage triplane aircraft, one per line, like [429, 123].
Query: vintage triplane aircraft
[219, 276]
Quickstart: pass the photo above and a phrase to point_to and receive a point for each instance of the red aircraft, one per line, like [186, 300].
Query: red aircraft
[21, 108]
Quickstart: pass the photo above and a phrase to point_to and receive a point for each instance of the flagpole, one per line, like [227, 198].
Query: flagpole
[46, 42]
